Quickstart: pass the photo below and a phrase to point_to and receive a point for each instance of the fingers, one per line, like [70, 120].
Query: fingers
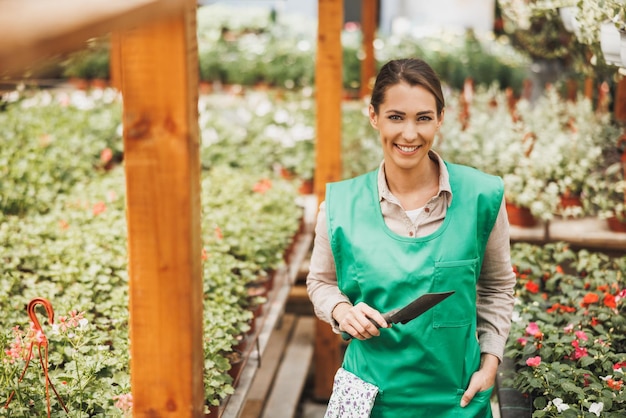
[480, 381]
[360, 322]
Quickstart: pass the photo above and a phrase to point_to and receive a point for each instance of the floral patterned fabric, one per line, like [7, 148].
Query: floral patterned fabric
[352, 397]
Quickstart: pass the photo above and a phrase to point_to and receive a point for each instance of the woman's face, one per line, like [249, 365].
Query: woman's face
[407, 122]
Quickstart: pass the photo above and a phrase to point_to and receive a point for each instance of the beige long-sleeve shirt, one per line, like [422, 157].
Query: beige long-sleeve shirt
[495, 285]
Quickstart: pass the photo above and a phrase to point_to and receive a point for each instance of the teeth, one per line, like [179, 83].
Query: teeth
[407, 149]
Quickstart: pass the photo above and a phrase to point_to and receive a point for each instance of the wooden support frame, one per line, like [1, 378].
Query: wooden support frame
[33, 31]
[159, 75]
[328, 79]
[369, 25]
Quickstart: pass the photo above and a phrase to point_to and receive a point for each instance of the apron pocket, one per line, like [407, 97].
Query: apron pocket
[352, 396]
[458, 310]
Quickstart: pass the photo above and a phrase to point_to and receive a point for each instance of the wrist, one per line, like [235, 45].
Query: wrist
[340, 310]
[489, 362]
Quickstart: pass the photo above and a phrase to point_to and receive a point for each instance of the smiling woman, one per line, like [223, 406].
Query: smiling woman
[371, 256]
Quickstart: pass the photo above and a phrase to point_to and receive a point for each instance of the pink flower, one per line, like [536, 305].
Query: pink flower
[106, 155]
[522, 341]
[533, 329]
[533, 361]
[579, 352]
[124, 402]
[98, 208]
[569, 328]
[581, 335]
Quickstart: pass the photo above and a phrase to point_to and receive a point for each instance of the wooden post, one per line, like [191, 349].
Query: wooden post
[328, 79]
[115, 70]
[161, 150]
[369, 18]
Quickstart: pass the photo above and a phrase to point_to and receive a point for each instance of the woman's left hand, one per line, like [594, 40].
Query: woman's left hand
[482, 379]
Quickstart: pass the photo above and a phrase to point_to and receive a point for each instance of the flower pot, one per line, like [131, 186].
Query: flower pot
[616, 225]
[214, 411]
[610, 42]
[236, 360]
[306, 187]
[520, 216]
[570, 201]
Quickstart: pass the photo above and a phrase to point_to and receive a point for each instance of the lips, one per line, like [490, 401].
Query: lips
[407, 149]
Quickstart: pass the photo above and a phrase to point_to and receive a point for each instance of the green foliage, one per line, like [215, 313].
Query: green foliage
[62, 136]
[74, 253]
[568, 337]
[90, 62]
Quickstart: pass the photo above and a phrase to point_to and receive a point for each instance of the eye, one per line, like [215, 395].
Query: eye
[424, 118]
[395, 117]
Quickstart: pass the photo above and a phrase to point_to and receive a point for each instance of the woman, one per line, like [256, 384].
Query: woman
[415, 225]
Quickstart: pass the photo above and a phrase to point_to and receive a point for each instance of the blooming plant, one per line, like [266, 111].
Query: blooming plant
[568, 336]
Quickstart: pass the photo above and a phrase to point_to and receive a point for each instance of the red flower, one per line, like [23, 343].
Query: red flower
[205, 255]
[218, 233]
[594, 321]
[559, 269]
[589, 299]
[615, 384]
[609, 301]
[561, 308]
[619, 366]
[532, 287]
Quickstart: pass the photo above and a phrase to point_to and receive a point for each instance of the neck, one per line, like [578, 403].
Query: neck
[402, 182]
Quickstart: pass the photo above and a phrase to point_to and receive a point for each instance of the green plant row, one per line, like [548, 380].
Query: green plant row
[74, 253]
[568, 335]
[543, 150]
[255, 45]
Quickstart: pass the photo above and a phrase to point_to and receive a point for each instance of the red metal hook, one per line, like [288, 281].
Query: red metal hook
[40, 341]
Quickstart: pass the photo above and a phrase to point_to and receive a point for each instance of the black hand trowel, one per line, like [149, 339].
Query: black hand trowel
[410, 311]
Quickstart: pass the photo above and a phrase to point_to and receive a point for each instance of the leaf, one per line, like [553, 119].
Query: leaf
[570, 387]
[587, 361]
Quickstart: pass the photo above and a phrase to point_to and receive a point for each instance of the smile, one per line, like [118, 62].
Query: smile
[405, 148]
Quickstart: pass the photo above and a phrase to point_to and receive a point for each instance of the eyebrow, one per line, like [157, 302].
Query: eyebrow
[423, 112]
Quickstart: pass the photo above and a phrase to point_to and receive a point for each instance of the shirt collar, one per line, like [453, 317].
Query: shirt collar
[444, 179]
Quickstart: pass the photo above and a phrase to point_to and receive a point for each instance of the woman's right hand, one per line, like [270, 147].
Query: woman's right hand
[355, 320]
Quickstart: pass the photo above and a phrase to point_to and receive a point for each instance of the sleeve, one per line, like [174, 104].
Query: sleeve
[321, 280]
[495, 289]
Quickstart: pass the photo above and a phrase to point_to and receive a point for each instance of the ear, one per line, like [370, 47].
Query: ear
[373, 117]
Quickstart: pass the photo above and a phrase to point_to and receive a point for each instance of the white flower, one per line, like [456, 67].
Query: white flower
[560, 405]
[83, 323]
[596, 408]
[516, 317]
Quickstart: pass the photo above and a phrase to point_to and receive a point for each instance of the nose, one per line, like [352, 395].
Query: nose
[410, 131]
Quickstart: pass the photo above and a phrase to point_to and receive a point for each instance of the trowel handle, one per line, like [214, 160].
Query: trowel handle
[348, 337]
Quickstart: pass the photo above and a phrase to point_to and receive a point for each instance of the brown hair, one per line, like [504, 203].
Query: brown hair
[414, 72]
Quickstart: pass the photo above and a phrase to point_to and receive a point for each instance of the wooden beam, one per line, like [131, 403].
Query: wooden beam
[369, 19]
[161, 152]
[33, 31]
[328, 80]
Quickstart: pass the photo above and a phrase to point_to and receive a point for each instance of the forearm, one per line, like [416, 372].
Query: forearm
[495, 290]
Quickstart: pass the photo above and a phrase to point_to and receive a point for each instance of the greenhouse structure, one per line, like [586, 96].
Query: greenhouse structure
[174, 175]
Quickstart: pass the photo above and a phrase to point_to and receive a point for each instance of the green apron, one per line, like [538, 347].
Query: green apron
[422, 368]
